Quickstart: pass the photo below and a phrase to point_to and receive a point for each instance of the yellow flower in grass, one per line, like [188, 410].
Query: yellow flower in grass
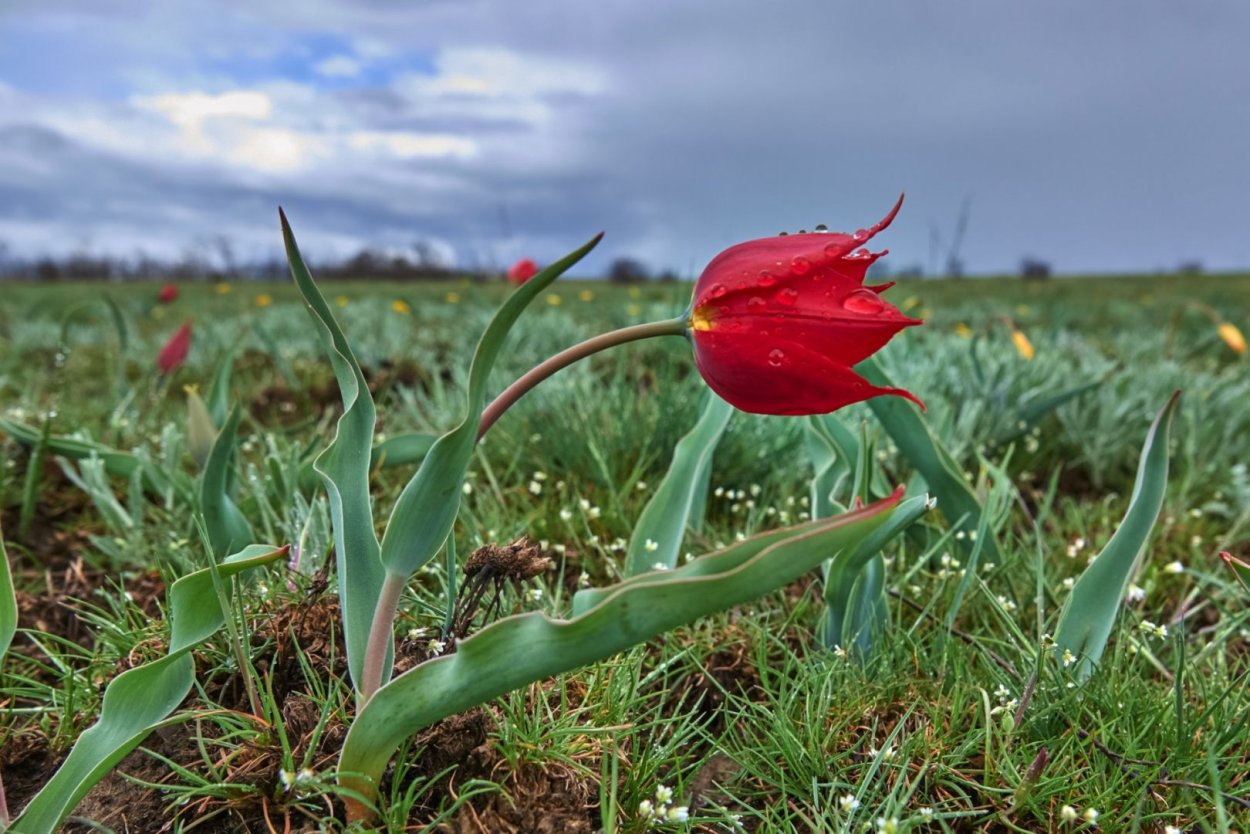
[1023, 346]
[453, 298]
[586, 295]
[1232, 337]
[401, 307]
[264, 300]
[223, 288]
[554, 299]
[963, 331]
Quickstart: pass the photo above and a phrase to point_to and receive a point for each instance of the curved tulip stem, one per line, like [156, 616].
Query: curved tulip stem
[518, 389]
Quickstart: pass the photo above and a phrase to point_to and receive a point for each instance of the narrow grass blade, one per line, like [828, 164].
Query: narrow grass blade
[659, 531]
[1089, 614]
[943, 477]
[226, 525]
[344, 470]
[423, 516]
[524, 648]
[141, 697]
[1240, 569]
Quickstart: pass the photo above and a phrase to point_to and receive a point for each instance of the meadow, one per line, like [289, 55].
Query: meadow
[955, 716]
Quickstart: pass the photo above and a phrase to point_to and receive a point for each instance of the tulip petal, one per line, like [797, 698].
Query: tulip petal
[780, 376]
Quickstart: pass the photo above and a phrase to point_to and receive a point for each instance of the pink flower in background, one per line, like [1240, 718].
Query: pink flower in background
[168, 294]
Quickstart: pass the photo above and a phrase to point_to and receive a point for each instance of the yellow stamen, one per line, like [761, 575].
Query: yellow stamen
[701, 319]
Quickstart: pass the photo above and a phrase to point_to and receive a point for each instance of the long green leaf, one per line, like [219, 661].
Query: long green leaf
[141, 697]
[1240, 569]
[117, 463]
[943, 477]
[8, 602]
[227, 527]
[528, 647]
[854, 584]
[1089, 614]
[401, 449]
[423, 516]
[660, 528]
[344, 471]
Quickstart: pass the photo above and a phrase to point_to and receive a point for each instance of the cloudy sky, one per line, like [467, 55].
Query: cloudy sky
[1101, 135]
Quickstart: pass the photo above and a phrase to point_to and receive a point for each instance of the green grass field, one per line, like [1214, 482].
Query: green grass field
[743, 718]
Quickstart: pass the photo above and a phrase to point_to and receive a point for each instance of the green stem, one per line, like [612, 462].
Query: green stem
[381, 637]
[518, 389]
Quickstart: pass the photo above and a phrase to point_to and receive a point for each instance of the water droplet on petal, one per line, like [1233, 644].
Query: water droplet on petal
[718, 290]
[767, 279]
[835, 250]
[776, 356]
[787, 296]
[800, 265]
[782, 234]
[864, 301]
[860, 234]
[821, 227]
[802, 231]
[756, 303]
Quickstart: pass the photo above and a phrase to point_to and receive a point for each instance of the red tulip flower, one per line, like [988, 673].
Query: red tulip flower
[168, 294]
[778, 323]
[522, 271]
[174, 353]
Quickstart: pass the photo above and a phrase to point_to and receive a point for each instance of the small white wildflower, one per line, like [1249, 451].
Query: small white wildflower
[650, 546]
[262, 589]
[416, 633]
[1068, 658]
[1174, 567]
[1002, 693]
[436, 646]
[840, 653]
[640, 486]
[540, 476]
[1160, 631]
[1171, 829]
[594, 512]
[663, 794]
[1194, 513]
[287, 778]
[1008, 605]
[566, 515]
[961, 535]
[678, 813]
[887, 826]
[1090, 816]
[536, 488]
[1135, 593]
[926, 813]
[755, 490]
[718, 492]
[659, 566]
[1067, 813]
[740, 536]
[305, 775]
[647, 810]
[849, 804]
[536, 594]
[584, 503]
[1069, 583]
[689, 557]
[467, 489]
[559, 548]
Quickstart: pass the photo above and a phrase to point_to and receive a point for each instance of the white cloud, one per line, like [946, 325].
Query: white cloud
[411, 145]
[339, 66]
[190, 110]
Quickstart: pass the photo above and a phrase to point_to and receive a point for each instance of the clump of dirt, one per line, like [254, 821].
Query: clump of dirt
[551, 798]
[313, 627]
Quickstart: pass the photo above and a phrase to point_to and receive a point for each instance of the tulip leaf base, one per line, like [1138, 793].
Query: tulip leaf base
[529, 647]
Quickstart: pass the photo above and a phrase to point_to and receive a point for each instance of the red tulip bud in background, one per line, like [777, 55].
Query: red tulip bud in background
[168, 294]
[174, 353]
[778, 323]
[522, 271]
